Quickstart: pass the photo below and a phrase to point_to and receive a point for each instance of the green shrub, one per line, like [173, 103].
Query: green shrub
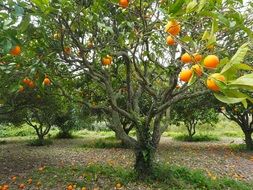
[109, 142]
[239, 147]
[197, 138]
[37, 142]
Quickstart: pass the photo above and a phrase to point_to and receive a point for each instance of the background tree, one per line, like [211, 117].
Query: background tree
[193, 112]
[244, 118]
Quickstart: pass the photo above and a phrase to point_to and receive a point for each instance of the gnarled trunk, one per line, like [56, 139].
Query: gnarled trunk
[144, 161]
[248, 140]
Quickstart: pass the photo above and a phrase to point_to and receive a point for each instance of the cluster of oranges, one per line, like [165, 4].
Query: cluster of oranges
[210, 61]
[16, 51]
[31, 84]
[19, 186]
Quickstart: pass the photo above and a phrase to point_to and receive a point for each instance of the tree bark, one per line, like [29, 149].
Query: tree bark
[248, 140]
[144, 157]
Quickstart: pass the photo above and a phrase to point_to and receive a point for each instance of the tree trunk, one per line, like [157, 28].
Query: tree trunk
[144, 152]
[41, 140]
[144, 162]
[248, 140]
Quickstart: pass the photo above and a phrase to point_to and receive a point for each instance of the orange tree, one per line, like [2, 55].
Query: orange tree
[244, 118]
[194, 111]
[122, 44]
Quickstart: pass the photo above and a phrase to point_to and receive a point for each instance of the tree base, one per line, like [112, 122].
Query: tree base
[143, 164]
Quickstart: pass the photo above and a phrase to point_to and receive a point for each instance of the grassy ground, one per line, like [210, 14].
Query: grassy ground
[107, 177]
[206, 132]
[97, 159]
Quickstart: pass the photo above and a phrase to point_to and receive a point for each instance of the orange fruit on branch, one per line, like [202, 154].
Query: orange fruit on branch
[186, 58]
[197, 57]
[15, 51]
[123, 3]
[197, 69]
[46, 81]
[31, 84]
[170, 41]
[173, 27]
[185, 75]
[211, 82]
[211, 61]
[107, 60]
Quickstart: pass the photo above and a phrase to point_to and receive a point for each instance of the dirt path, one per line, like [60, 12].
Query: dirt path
[215, 158]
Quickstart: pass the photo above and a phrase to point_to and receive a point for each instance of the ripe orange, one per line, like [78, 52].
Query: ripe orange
[29, 181]
[5, 187]
[211, 61]
[197, 69]
[21, 89]
[170, 41]
[197, 57]
[118, 186]
[212, 79]
[15, 51]
[13, 178]
[46, 81]
[70, 187]
[185, 75]
[26, 81]
[67, 50]
[21, 186]
[186, 58]
[173, 27]
[123, 3]
[31, 84]
[107, 60]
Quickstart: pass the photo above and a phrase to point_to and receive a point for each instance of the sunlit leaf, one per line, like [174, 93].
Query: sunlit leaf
[237, 58]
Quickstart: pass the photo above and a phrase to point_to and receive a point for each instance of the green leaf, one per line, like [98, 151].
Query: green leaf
[237, 58]
[228, 100]
[191, 6]
[174, 8]
[205, 35]
[243, 66]
[201, 5]
[245, 80]
[24, 24]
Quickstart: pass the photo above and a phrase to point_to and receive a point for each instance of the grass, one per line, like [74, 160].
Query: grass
[21, 131]
[13, 131]
[165, 177]
[196, 138]
[239, 148]
[106, 143]
[37, 142]
[224, 128]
